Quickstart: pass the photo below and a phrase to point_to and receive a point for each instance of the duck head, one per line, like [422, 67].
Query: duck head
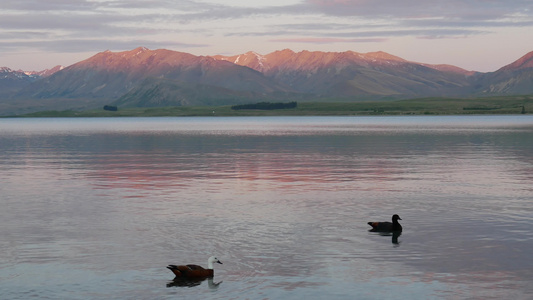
[395, 218]
[211, 261]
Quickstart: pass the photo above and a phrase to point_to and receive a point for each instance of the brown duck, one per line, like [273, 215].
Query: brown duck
[387, 226]
[194, 271]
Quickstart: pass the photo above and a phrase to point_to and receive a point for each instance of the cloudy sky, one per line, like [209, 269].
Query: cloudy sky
[481, 35]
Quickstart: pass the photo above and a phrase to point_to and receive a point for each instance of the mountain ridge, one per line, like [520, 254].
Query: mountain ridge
[113, 74]
[131, 77]
[351, 73]
[524, 62]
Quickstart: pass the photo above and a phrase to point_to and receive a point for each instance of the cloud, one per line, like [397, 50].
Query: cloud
[92, 45]
[49, 5]
[25, 35]
[53, 25]
[328, 40]
[386, 18]
[363, 35]
[456, 9]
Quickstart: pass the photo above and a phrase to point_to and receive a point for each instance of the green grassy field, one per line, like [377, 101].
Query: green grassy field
[423, 106]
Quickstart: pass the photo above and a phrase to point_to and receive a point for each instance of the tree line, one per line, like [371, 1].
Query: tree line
[266, 106]
[110, 108]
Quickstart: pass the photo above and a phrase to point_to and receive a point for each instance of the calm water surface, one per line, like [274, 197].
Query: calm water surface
[96, 208]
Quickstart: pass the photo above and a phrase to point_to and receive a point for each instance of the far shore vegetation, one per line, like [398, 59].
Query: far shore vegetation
[422, 106]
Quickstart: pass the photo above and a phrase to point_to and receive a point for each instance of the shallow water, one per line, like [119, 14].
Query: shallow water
[96, 208]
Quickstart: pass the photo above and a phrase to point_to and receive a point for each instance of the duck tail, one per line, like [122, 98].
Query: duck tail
[175, 270]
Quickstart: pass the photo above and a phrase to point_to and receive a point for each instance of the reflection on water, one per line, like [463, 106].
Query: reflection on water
[179, 282]
[96, 208]
[395, 235]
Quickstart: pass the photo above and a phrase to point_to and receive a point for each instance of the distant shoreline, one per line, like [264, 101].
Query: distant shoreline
[422, 106]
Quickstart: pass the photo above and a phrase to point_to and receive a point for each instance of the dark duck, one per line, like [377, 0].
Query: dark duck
[387, 226]
[194, 272]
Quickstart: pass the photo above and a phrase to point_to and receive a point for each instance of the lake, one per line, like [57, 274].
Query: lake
[97, 208]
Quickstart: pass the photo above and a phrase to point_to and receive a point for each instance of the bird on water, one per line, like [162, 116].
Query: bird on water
[387, 226]
[194, 271]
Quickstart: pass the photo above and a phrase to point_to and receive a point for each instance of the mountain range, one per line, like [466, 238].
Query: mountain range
[148, 78]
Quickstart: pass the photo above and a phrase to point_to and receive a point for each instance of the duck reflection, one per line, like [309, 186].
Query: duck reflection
[394, 234]
[180, 282]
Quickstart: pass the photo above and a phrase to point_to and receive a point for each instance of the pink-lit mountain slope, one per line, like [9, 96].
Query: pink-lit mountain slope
[113, 74]
[306, 60]
[513, 79]
[43, 73]
[523, 63]
[354, 74]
